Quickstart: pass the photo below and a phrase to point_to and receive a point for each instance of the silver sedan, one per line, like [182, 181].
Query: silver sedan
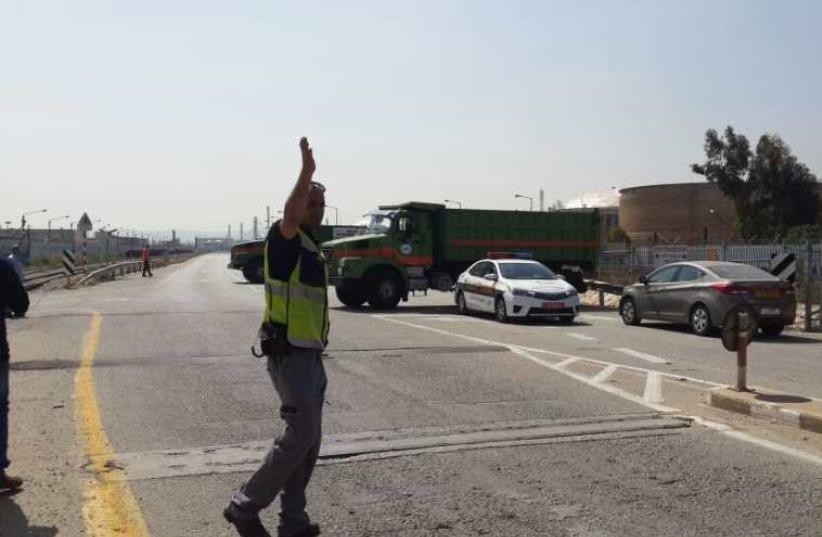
[700, 294]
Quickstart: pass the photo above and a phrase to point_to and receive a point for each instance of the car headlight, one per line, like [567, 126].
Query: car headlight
[521, 292]
[571, 292]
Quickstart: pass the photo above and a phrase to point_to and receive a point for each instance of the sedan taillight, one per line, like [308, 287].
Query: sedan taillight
[730, 289]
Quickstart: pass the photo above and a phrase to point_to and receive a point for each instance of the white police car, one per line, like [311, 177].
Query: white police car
[516, 288]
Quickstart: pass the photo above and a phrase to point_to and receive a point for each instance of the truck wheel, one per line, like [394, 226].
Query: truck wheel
[253, 271]
[350, 296]
[384, 291]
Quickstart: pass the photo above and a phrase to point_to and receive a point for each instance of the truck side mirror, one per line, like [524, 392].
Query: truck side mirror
[405, 226]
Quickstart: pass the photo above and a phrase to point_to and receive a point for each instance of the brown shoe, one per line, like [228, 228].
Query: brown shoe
[8, 482]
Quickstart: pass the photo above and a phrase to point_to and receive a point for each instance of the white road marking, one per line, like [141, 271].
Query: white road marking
[605, 374]
[579, 336]
[600, 318]
[567, 362]
[525, 354]
[643, 356]
[609, 388]
[653, 388]
[674, 376]
[745, 437]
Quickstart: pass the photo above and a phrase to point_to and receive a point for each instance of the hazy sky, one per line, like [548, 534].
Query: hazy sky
[186, 114]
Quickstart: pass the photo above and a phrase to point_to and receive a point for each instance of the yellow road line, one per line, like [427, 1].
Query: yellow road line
[109, 507]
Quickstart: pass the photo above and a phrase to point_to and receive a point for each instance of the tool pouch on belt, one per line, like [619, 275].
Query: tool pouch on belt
[272, 339]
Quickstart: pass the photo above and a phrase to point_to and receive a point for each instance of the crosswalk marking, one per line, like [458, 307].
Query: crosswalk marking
[603, 375]
[643, 356]
[582, 337]
[653, 388]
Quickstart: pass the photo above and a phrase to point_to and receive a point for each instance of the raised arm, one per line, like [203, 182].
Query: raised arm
[297, 203]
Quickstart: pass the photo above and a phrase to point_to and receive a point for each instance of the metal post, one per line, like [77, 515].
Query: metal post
[808, 287]
[742, 352]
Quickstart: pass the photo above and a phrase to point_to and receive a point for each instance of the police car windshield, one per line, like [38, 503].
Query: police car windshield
[379, 223]
[526, 271]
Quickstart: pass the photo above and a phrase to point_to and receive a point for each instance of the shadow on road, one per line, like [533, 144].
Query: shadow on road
[777, 398]
[13, 521]
[416, 310]
[783, 339]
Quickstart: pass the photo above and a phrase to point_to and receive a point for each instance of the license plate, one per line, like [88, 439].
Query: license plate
[552, 305]
[767, 294]
[770, 311]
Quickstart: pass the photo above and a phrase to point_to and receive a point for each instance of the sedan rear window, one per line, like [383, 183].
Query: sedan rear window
[741, 272]
[526, 271]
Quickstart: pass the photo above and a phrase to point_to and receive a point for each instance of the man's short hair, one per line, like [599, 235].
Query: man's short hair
[317, 186]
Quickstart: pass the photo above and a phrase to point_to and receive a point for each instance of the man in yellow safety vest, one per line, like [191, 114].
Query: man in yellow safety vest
[293, 336]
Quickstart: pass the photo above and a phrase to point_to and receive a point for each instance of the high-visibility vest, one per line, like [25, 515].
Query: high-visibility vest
[301, 303]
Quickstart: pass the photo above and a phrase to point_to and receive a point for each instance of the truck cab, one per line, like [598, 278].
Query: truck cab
[394, 256]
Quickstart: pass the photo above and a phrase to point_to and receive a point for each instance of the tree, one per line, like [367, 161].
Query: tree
[771, 189]
[618, 234]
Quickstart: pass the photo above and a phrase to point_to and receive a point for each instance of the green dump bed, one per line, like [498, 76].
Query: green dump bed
[554, 238]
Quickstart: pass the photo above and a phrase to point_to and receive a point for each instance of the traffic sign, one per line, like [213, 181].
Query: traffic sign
[783, 265]
[68, 262]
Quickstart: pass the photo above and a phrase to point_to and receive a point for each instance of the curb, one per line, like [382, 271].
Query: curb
[745, 403]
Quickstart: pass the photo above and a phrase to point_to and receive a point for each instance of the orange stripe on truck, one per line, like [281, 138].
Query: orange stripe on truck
[390, 253]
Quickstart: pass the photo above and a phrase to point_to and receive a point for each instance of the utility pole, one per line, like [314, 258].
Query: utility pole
[229, 231]
[541, 200]
[267, 218]
[256, 232]
[241, 231]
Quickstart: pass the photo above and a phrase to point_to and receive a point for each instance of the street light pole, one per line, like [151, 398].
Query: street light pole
[530, 201]
[48, 233]
[454, 201]
[336, 214]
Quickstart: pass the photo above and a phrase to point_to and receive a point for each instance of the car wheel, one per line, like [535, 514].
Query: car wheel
[628, 312]
[700, 320]
[462, 307]
[772, 331]
[500, 310]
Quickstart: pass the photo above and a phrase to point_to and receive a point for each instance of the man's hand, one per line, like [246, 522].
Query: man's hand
[297, 202]
[308, 158]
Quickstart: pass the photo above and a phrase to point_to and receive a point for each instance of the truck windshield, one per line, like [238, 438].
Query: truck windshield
[377, 222]
[526, 271]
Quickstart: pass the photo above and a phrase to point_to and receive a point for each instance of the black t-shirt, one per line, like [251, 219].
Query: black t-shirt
[283, 255]
[12, 296]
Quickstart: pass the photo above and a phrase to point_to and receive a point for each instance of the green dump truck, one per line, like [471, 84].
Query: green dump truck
[419, 246]
[247, 256]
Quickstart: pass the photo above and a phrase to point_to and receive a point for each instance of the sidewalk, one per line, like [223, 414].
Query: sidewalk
[797, 411]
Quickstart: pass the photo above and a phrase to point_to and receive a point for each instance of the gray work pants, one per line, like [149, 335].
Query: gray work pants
[299, 378]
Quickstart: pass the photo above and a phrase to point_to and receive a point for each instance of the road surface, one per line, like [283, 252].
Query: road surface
[136, 405]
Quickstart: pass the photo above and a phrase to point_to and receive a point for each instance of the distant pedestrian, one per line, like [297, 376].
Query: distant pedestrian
[14, 297]
[295, 332]
[17, 262]
[147, 261]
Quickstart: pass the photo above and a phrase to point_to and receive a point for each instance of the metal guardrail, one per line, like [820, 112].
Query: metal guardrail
[122, 268]
[605, 287]
[36, 279]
